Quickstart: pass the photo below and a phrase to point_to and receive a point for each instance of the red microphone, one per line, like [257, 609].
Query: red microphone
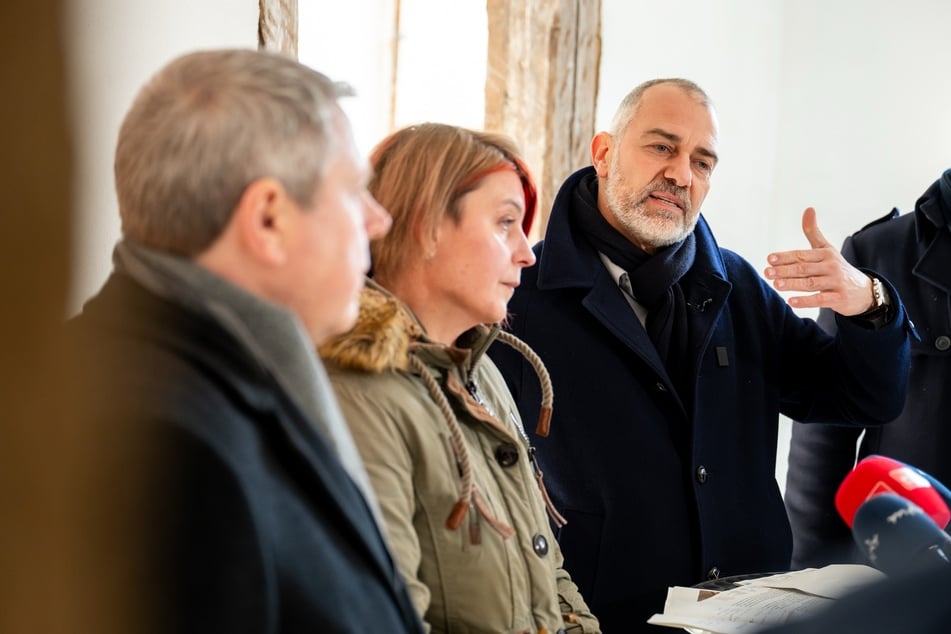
[877, 474]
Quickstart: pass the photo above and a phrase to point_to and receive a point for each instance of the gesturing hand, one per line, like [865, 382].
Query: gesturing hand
[822, 272]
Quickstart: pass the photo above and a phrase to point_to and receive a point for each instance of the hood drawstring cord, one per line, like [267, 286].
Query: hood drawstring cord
[544, 417]
[544, 414]
[468, 494]
[461, 452]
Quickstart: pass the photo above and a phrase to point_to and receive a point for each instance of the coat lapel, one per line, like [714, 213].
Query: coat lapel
[322, 478]
[302, 450]
[607, 304]
[934, 265]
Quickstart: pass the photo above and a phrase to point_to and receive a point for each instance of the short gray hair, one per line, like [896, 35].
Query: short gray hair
[628, 108]
[205, 127]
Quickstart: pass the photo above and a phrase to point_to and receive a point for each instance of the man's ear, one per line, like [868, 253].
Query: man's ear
[601, 146]
[263, 220]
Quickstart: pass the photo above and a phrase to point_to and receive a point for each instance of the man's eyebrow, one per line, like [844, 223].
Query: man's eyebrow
[673, 138]
[710, 154]
[670, 136]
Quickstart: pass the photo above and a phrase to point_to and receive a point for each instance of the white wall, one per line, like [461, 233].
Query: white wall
[844, 105]
[865, 122]
[113, 47]
[328, 45]
[440, 71]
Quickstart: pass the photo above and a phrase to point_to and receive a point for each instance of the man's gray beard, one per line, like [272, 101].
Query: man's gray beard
[630, 211]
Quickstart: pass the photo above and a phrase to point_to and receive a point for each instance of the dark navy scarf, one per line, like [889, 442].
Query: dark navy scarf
[655, 279]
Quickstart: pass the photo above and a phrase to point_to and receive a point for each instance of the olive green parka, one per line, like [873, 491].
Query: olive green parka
[451, 465]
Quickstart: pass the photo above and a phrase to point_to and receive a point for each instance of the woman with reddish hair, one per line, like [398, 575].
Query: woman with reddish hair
[436, 426]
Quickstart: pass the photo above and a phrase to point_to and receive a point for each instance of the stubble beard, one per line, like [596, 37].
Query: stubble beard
[657, 228]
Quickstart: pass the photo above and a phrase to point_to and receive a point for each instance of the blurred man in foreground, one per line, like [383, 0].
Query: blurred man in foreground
[240, 503]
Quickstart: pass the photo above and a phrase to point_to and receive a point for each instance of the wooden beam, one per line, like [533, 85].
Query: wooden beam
[542, 85]
[277, 26]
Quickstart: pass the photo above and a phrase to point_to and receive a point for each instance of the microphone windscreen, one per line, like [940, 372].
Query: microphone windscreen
[897, 535]
[875, 475]
[941, 489]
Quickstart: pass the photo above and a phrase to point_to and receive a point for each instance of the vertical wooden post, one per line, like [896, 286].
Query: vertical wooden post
[542, 85]
[277, 26]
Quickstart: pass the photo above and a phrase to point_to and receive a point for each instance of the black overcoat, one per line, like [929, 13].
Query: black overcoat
[248, 521]
[914, 252]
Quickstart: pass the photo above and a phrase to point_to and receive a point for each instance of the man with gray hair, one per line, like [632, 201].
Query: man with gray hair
[245, 229]
[671, 360]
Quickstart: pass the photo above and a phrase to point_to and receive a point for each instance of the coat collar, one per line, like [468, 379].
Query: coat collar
[934, 234]
[566, 259]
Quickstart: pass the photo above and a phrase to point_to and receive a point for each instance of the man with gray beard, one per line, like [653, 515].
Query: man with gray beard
[672, 358]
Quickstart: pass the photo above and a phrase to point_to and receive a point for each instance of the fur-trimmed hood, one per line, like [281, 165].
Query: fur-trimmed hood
[387, 332]
[381, 338]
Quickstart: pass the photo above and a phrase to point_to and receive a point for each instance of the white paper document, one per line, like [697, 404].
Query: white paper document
[764, 601]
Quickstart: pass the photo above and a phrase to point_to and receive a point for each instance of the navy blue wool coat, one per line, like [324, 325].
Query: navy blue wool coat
[658, 493]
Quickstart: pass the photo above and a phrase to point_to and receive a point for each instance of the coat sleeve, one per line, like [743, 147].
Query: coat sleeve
[578, 617]
[858, 378]
[389, 463]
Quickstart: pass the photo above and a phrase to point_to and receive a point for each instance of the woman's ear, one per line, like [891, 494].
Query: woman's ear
[265, 220]
[428, 240]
